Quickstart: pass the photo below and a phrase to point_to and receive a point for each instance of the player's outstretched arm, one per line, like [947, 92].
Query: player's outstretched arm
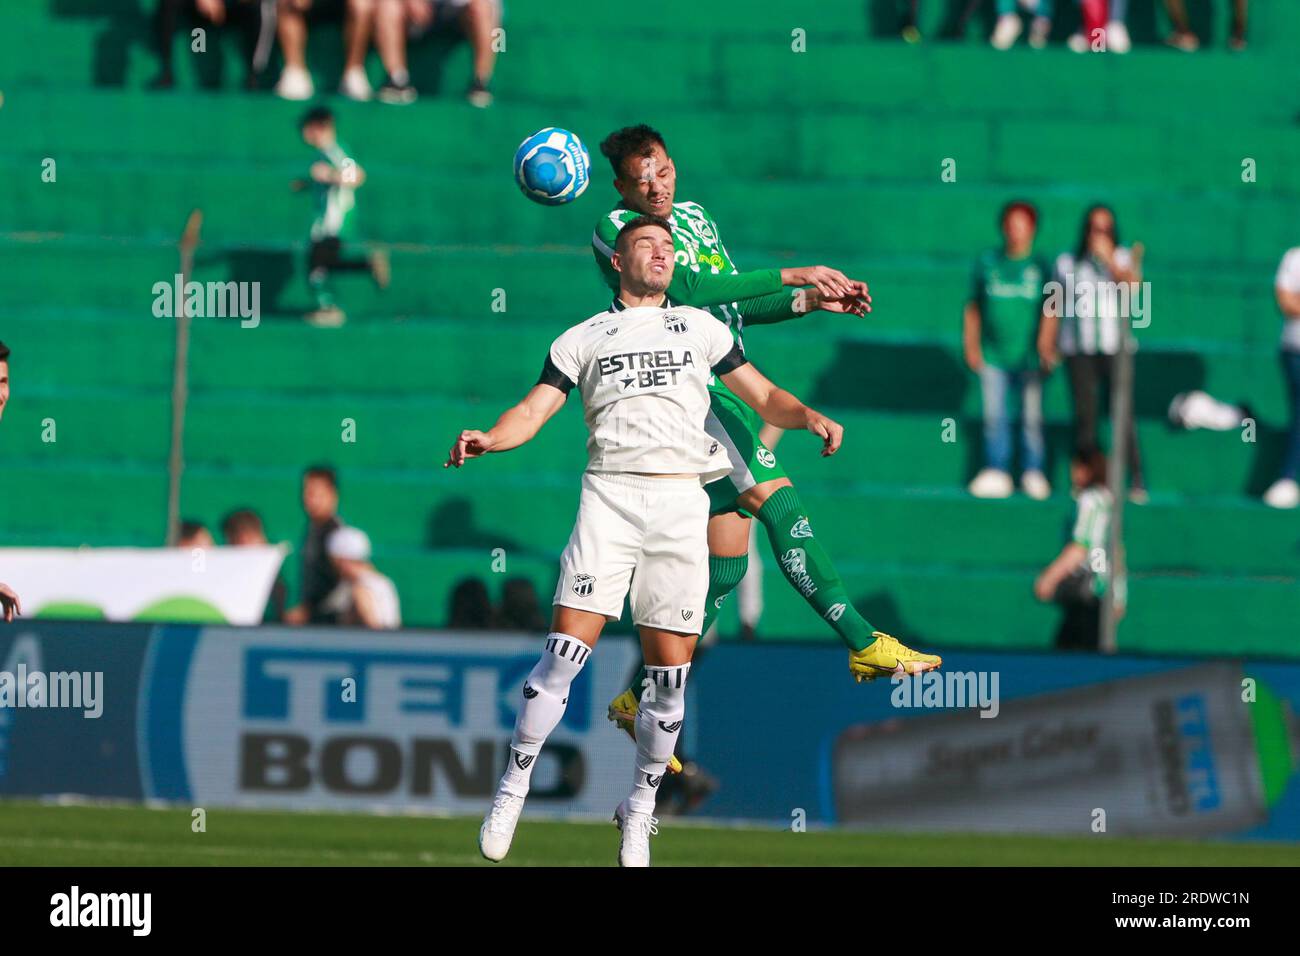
[516, 426]
[778, 407]
[9, 603]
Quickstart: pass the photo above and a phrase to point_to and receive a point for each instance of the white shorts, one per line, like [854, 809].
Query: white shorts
[651, 532]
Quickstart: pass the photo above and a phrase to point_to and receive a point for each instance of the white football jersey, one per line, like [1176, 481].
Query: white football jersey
[643, 374]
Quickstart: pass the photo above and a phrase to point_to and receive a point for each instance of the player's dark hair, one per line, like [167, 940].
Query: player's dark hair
[1019, 205]
[242, 519]
[315, 116]
[323, 472]
[658, 221]
[637, 140]
[189, 528]
[1093, 460]
[1081, 249]
[4, 352]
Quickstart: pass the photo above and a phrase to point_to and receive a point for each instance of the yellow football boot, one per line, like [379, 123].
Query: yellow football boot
[622, 711]
[887, 657]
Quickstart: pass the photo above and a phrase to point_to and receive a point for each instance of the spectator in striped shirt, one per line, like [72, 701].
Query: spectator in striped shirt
[1077, 577]
[1285, 492]
[1088, 332]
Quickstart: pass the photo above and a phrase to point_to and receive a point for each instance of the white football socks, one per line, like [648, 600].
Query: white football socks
[546, 692]
[658, 722]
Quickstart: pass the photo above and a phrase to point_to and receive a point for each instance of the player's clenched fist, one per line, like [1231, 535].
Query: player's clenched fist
[469, 444]
[828, 430]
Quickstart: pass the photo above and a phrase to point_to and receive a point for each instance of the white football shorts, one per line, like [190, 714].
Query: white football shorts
[649, 532]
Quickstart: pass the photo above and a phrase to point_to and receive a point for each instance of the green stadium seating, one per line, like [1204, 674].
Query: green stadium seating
[830, 155]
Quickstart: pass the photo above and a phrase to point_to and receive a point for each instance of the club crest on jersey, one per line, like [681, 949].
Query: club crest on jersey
[766, 458]
[801, 529]
[674, 323]
[583, 584]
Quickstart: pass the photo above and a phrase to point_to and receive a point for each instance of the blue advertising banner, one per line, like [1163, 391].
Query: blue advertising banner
[412, 721]
[1000, 742]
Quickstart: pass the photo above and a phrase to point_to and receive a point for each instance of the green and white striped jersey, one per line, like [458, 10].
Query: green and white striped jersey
[704, 275]
[334, 203]
[1091, 529]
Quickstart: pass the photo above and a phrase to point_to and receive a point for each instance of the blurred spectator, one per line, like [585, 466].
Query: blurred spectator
[1098, 22]
[1000, 327]
[909, 29]
[295, 81]
[1285, 492]
[243, 529]
[320, 502]
[194, 534]
[1092, 329]
[243, 15]
[9, 604]
[355, 84]
[521, 609]
[471, 608]
[1007, 30]
[398, 21]
[1077, 578]
[4, 378]
[334, 179]
[363, 596]
[1184, 39]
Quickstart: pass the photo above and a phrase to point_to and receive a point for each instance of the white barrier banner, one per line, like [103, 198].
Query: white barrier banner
[205, 585]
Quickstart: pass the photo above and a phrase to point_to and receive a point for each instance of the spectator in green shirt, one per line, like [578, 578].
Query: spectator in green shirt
[999, 339]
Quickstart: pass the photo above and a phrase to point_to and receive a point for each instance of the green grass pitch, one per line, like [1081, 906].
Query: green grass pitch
[33, 834]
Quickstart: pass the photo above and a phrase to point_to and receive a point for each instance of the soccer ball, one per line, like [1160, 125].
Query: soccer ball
[552, 166]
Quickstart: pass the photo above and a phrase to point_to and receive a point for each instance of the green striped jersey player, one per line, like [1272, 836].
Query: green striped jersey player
[757, 486]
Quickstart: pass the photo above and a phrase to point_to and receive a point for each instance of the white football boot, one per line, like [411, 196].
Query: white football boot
[634, 844]
[992, 483]
[499, 826]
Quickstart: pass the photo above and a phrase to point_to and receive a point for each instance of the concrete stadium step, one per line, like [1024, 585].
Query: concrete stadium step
[84, 131]
[102, 197]
[914, 299]
[929, 606]
[532, 513]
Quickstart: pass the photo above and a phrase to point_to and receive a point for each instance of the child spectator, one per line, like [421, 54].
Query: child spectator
[363, 597]
[1078, 576]
[1000, 326]
[334, 178]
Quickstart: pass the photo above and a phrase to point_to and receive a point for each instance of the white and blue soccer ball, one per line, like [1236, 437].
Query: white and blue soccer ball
[552, 166]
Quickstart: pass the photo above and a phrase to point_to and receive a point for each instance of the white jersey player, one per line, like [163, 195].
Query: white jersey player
[642, 369]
